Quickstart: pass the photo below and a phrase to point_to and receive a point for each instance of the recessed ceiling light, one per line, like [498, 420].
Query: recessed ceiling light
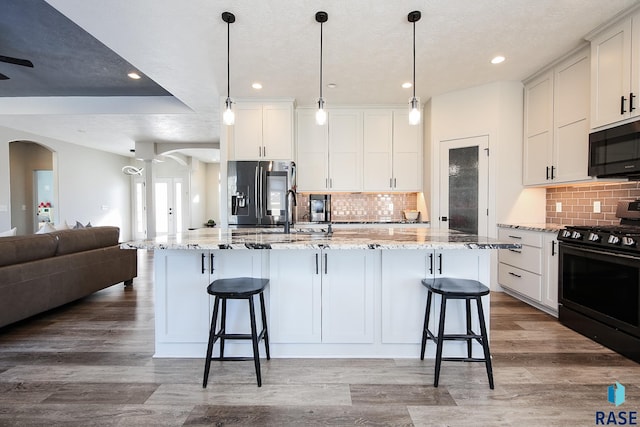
[498, 60]
[256, 85]
[406, 85]
[332, 85]
[133, 75]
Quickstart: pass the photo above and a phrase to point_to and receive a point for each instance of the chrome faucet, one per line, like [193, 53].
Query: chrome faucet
[288, 220]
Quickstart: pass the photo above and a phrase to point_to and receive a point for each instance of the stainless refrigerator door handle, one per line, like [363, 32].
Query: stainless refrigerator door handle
[255, 191]
[262, 192]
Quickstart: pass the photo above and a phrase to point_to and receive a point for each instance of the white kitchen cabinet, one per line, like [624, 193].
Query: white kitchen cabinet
[392, 158]
[403, 295]
[531, 272]
[329, 157]
[322, 296]
[615, 74]
[550, 272]
[180, 287]
[556, 124]
[263, 131]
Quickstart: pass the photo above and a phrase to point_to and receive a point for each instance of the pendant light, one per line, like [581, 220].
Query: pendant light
[414, 113]
[321, 114]
[228, 117]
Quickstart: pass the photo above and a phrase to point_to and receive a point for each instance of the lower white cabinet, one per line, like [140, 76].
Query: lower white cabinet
[183, 306]
[403, 295]
[531, 273]
[322, 296]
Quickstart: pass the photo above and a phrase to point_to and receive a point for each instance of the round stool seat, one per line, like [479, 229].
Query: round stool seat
[455, 288]
[237, 287]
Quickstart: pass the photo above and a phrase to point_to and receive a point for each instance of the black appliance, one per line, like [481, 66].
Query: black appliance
[599, 281]
[320, 207]
[258, 192]
[615, 152]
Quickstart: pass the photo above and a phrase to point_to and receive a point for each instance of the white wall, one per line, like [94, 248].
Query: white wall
[213, 192]
[90, 184]
[495, 110]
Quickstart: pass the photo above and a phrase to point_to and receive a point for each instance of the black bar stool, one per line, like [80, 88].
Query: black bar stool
[237, 288]
[449, 288]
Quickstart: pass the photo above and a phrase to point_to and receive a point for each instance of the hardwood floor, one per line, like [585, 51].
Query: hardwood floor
[90, 364]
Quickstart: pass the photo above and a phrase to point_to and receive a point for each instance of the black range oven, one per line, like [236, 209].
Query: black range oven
[599, 281]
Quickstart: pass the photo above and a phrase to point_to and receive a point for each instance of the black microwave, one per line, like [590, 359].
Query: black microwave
[615, 152]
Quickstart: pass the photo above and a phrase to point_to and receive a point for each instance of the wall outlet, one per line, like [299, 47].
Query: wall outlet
[558, 206]
[596, 206]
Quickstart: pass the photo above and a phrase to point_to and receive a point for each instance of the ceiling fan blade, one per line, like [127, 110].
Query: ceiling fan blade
[16, 61]
[3, 77]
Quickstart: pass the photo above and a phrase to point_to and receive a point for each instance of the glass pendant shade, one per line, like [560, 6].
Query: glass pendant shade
[321, 114]
[414, 113]
[228, 117]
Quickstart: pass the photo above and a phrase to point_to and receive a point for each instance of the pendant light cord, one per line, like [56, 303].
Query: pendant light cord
[228, 50]
[321, 25]
[414, 59]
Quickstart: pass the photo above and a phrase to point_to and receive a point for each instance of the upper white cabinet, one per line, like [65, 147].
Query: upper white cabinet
[329, 156]
[556, 124]
[615, 73]
[263, 131]
[392, 159]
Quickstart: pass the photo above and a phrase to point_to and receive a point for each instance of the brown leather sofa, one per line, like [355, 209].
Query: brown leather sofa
[42, 271]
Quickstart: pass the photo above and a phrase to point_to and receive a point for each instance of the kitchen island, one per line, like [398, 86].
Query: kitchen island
[350, 293]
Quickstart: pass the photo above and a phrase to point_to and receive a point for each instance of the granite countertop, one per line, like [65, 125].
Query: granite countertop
[546, 227]
[344, 238]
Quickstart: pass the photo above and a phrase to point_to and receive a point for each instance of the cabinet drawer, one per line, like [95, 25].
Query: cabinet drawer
[527, 258]
[512, 235]
[521, 281]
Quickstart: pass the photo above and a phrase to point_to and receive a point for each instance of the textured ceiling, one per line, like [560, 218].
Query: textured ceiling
[181, 46]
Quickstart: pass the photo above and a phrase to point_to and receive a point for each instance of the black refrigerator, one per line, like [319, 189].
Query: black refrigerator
[257, 192]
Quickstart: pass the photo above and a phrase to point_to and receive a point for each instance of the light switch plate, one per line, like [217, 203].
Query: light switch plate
[596, 206]
[558, 206]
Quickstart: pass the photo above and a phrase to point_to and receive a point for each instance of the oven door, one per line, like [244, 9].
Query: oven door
[602, 285]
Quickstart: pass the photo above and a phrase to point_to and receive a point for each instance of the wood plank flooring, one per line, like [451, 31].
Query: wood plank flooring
[90, 364]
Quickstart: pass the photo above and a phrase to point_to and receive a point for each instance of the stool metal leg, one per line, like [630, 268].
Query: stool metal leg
[212, 334]
[264, 325]
[254, 340]
[467, 303]
[425, 328]
[485, 342]
[440, 340]
[223, 326]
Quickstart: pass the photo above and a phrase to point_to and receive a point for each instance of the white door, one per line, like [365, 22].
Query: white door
[464, 184]
[139, 209]
[169, 205]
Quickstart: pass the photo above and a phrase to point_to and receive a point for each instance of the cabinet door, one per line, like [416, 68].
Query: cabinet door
[571, 119]
[247, 131]
[180, 287]
[550, 281]
[239, 263]
[347, 296]
[295, 295]
[378, 147]
[345, 150]
[407, 153]
[611, 75]
[457, 263]
[312, 153]
[277, 132]
[538, 130]
[403, 296]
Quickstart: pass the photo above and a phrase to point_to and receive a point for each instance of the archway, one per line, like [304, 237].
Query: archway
[33, 186]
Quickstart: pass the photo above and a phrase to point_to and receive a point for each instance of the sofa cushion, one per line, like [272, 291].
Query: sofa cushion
[84, 239]
[19, 249]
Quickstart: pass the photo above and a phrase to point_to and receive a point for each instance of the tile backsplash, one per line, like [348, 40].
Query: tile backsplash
[577, 202]
[362, 206]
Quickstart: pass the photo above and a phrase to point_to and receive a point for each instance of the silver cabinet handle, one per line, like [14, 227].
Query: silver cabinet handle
[515, 250]
[325, 263]
[316, 264]
[515, 237]
[515, 275]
